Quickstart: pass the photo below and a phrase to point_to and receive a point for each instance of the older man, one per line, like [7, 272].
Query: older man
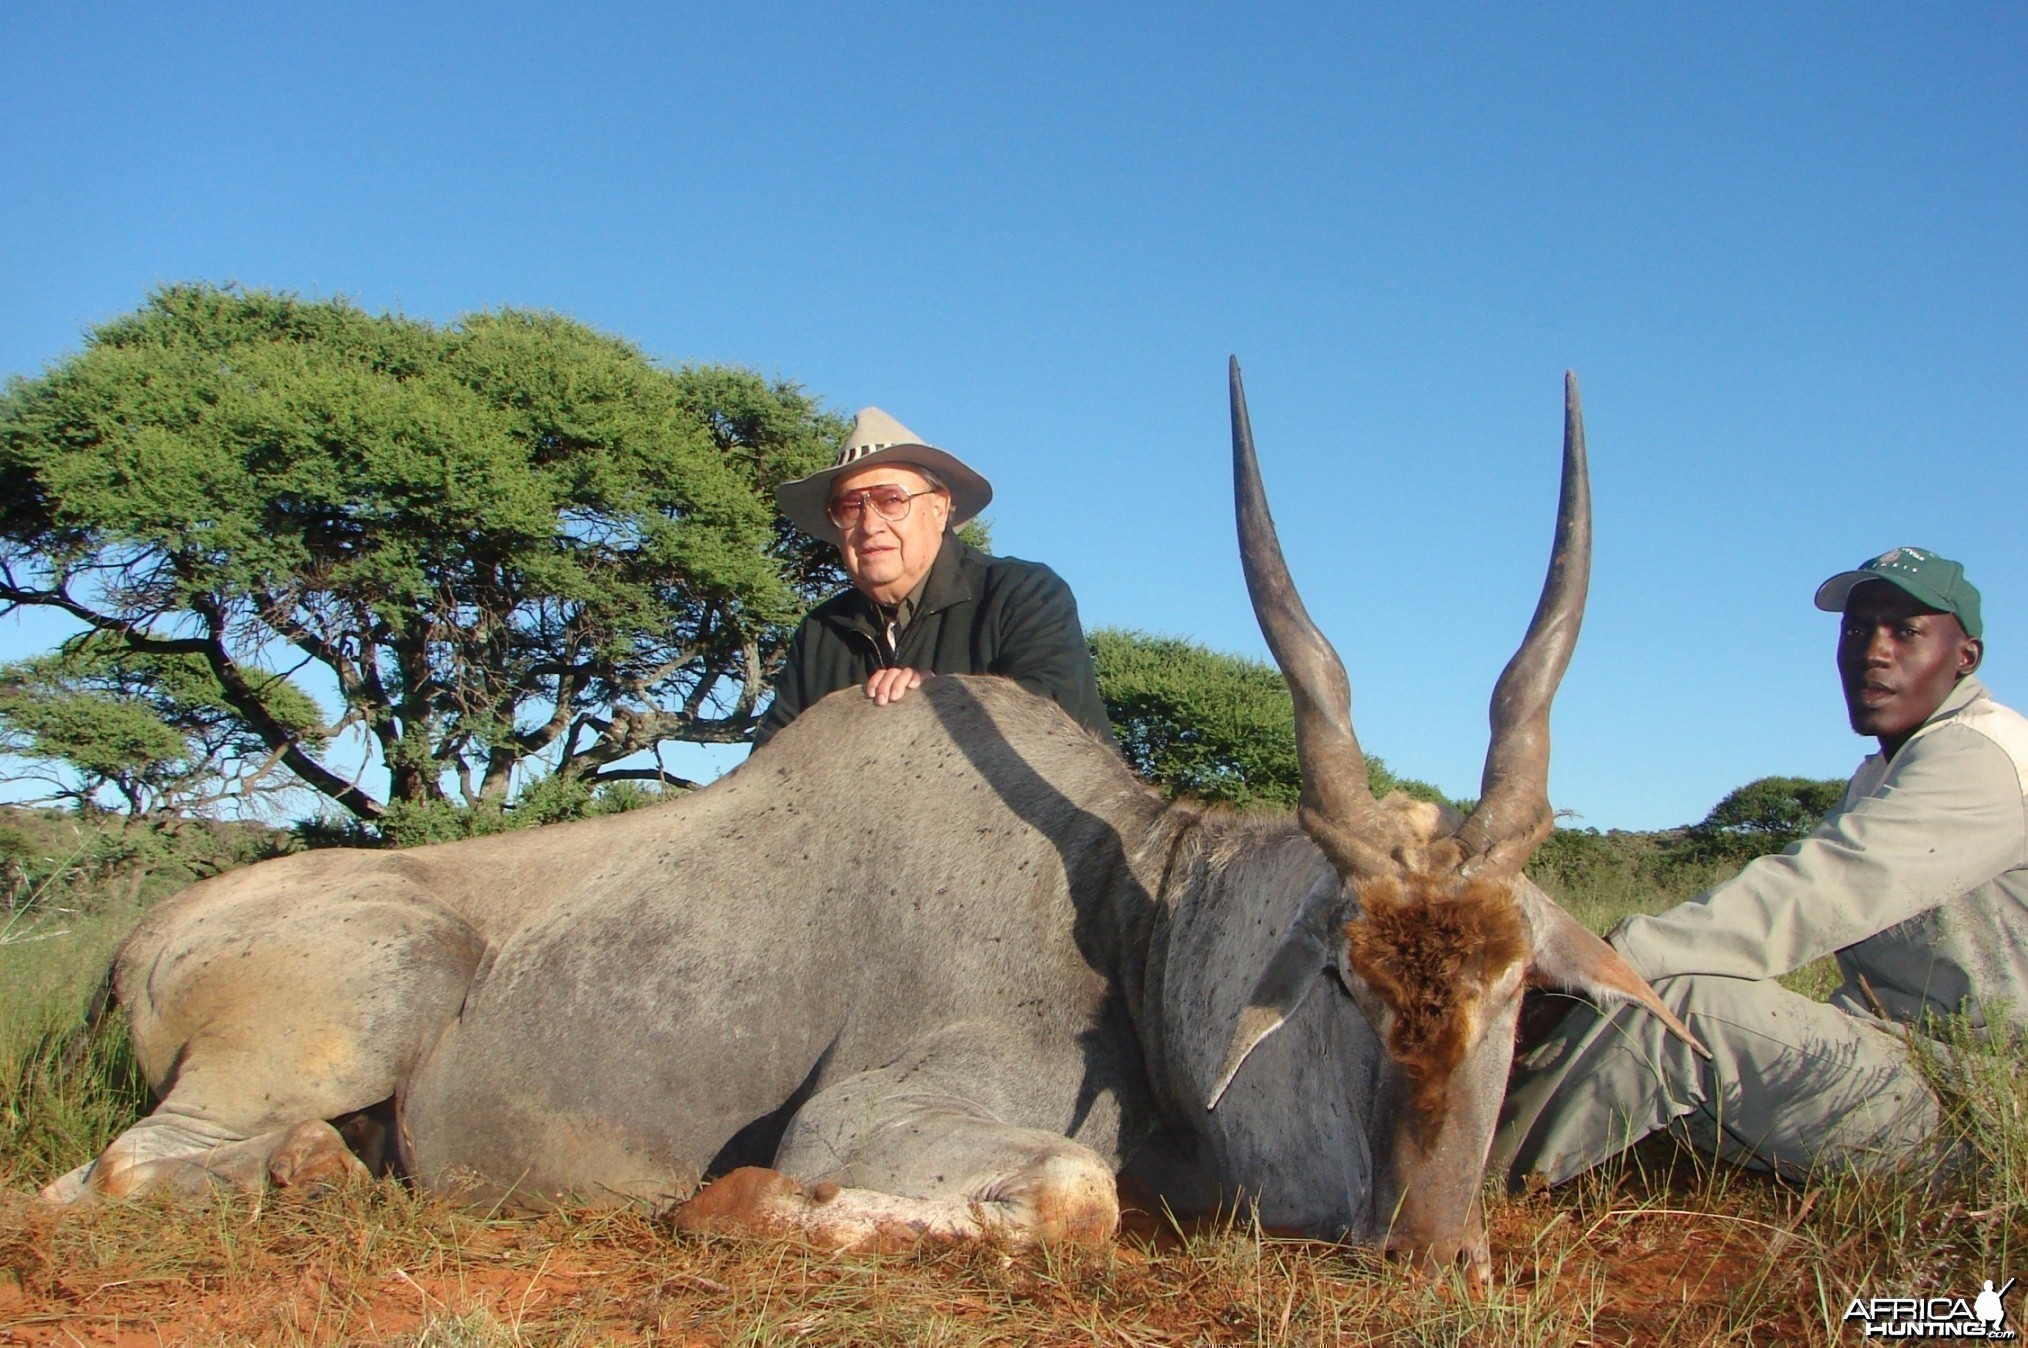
[1918, 881]
[922, 602]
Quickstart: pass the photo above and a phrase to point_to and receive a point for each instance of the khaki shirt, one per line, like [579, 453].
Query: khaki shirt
[1918, 881]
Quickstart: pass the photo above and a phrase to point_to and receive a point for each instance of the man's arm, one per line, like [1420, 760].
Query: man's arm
[1041, 646]
[1947, 817]
[788, 699]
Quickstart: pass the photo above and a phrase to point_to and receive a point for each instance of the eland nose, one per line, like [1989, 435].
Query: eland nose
[1470, 1255]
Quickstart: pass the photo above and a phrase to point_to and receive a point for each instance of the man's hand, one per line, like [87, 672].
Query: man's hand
[891, 685]
[1542, 1010]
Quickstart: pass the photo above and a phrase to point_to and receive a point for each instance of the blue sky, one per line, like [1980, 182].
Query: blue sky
[1782, 245]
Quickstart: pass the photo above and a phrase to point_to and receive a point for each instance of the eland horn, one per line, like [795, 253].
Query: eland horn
[1337, 807]
[1513, 815]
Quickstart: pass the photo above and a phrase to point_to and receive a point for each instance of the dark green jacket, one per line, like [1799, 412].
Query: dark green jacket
[978, 615]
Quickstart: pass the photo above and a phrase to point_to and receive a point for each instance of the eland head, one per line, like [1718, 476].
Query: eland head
[1433, 929]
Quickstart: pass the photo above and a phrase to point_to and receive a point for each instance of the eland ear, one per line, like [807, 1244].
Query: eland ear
[1568, 955]
[1306, 951]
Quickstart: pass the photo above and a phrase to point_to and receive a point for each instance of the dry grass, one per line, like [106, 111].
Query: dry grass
[1666, 1250]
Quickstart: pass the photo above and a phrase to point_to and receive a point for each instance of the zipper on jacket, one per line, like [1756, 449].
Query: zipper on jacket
[880, 656]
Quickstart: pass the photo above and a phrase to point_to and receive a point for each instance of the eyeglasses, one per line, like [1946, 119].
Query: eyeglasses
[890, 503]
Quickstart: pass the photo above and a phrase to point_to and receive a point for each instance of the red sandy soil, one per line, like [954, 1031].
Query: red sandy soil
[1636, 1274]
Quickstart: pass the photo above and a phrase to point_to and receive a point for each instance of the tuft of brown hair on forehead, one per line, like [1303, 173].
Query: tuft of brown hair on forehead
[1429, 948]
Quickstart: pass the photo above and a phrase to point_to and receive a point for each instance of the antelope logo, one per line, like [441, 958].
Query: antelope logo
[1981, 1317]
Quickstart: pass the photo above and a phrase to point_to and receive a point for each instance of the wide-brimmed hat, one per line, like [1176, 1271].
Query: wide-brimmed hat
[878, 438]
[1937, 581]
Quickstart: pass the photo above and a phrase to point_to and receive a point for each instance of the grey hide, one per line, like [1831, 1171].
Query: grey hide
[945, 966]
[960, 901]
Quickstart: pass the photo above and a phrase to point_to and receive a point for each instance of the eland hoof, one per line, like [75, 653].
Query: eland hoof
[752, 1200]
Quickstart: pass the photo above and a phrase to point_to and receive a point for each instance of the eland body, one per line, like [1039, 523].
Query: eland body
[940, 968]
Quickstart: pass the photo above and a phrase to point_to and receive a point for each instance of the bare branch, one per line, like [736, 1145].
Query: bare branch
[604, 775]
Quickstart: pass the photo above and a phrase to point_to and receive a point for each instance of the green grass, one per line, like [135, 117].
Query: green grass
[1600, 878]
[73, 888]
[64, 1093]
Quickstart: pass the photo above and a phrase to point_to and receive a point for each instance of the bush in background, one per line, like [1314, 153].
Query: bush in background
[1203, 723]
[1764, 816]
[550, 800]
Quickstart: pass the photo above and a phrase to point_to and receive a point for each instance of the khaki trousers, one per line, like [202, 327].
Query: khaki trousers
[1794, 1086]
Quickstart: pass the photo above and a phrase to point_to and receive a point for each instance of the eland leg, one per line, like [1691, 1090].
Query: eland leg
[901, 1154]
[259, 1012]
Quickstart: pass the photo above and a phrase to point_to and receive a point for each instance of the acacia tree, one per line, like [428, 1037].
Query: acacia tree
[499, 538]
[1200, 722]
[1765, 815]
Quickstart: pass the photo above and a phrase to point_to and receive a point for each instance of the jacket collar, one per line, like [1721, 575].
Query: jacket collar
[949, 582]
[1968, 691]
[950, 578]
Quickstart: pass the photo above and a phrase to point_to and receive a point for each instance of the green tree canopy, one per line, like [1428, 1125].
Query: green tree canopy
[1199, 722]
[504, 537]
[1763, 816]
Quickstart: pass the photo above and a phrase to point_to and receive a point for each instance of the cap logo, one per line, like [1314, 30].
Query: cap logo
[1937, 581]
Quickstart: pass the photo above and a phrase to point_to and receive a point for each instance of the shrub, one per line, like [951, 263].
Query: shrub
[1764, 816]
[1202, 723]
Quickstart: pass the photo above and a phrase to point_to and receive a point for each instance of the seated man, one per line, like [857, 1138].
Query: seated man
[1918, 881]
[921, 601]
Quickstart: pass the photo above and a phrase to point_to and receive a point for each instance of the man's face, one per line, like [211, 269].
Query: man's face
[887, 558]
[1898, 660]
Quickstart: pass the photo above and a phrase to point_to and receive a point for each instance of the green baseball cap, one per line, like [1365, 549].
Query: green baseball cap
[1937, 581]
